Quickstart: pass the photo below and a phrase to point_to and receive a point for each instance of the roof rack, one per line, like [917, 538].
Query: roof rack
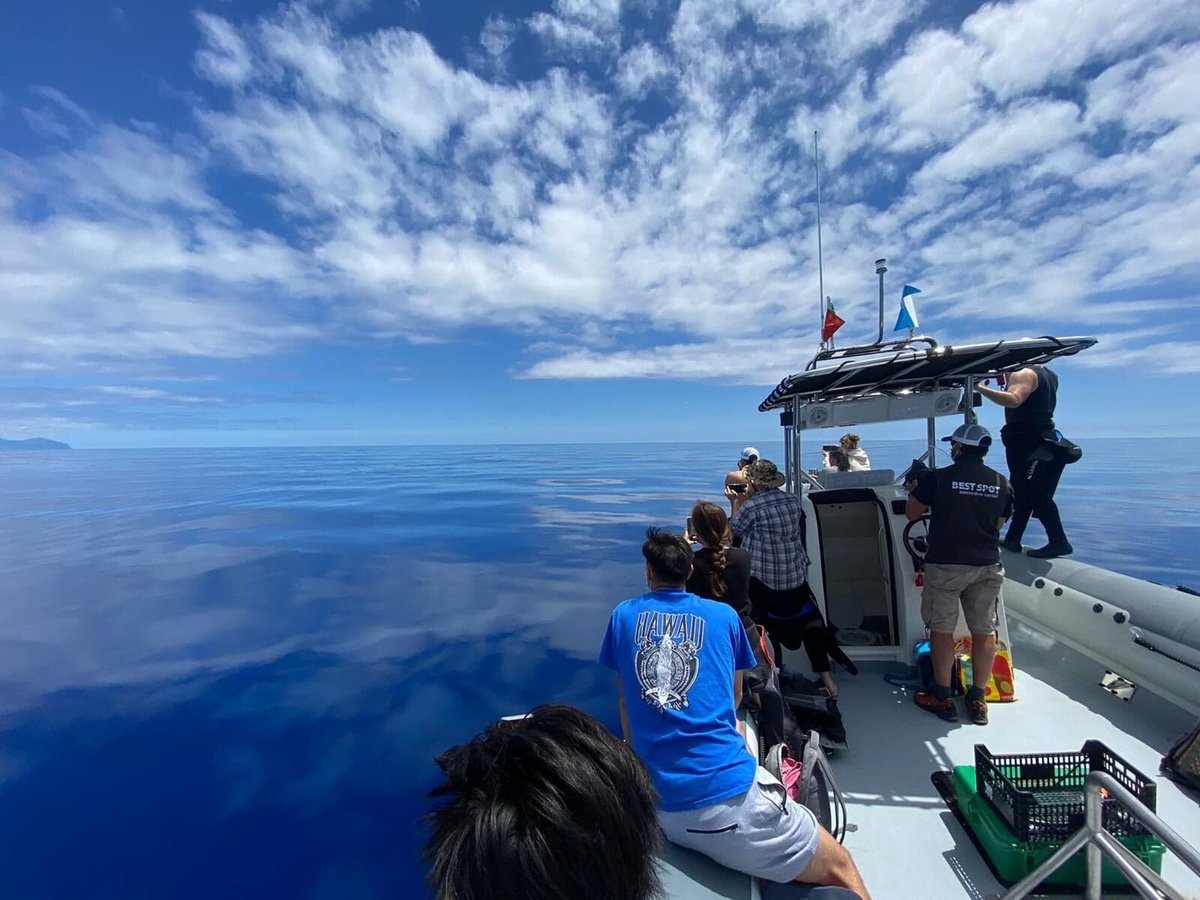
[913, 365]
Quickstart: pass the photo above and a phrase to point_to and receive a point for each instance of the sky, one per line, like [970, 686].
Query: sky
[354, 222]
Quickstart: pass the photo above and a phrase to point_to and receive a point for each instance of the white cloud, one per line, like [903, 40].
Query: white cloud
[841, 124]
[224, 57]
[124, 169]
[496, 39]
[1027, 130]
[932, 93]
[1137, 350]
[757, 362]
[639, 68]
[144, 393]
[848, 28]
[638, 201]
[579, 27]
[1031, 43]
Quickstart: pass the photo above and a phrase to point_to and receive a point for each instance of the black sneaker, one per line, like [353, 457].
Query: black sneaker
[1051, 551]
[943, 709]
[1011, 546]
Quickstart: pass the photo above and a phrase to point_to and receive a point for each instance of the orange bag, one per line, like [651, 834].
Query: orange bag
[1000, 687]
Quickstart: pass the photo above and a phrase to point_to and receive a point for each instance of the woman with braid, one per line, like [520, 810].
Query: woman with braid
[719, 571]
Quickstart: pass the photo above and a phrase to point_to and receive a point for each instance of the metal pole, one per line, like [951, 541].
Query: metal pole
[880, 268]
[787, 459]
[1169, 836]
[931, 440]
[1093, 822]
[1144, 880]
[1070, 847]
[820, 262]
[969, 401]
[797, 471]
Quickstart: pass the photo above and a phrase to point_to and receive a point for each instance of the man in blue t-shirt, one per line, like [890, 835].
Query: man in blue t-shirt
[680, 661]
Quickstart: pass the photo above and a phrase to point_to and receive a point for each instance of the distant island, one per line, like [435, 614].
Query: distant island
[33, 444]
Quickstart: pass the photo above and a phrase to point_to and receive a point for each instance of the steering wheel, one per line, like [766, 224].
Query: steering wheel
[916, 538]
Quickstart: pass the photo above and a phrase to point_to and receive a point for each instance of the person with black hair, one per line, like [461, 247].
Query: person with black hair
[546, 807]
[680, 662]
[836, 460]
[967, 503]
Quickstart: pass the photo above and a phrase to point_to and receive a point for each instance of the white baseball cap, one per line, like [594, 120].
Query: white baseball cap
[971, 436]
[750, 454]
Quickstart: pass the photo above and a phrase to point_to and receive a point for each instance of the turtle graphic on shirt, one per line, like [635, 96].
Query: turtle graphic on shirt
[666, 671]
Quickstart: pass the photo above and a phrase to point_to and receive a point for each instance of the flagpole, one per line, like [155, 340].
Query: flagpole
[820, 264]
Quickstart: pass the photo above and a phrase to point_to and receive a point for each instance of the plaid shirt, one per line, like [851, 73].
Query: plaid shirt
[769, 526]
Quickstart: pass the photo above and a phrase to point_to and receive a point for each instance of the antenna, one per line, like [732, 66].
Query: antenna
[820, 263]
[880, 268]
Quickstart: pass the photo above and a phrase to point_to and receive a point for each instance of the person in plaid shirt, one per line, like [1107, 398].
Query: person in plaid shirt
[767, 522]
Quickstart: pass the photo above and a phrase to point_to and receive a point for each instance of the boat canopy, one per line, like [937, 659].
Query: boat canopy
[913, 365]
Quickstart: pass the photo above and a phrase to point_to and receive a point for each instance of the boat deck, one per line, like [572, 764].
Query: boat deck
[908, 844]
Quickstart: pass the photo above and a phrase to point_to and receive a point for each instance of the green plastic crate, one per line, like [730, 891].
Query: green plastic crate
[1013, 859]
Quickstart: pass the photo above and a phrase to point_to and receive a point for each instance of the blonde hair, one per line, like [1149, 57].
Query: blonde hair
[850, 441]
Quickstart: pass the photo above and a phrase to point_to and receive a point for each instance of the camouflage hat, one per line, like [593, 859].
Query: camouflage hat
[763, 474]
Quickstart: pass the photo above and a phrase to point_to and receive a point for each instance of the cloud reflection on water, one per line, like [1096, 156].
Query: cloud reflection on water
[252, 657]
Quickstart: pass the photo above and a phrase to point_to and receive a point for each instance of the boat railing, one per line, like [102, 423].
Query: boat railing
[1099, 843]
[870, 349]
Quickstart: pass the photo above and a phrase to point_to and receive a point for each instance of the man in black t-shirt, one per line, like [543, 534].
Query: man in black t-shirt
[967, 503]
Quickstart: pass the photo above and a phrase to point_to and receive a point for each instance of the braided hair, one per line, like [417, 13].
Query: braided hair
[711, 526]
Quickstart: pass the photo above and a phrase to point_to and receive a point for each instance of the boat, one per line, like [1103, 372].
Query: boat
[1097, 655]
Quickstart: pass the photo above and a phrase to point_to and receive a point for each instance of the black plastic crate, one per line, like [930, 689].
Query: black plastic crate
[1040, 795]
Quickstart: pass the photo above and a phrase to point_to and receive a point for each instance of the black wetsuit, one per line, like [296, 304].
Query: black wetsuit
[1033, 470]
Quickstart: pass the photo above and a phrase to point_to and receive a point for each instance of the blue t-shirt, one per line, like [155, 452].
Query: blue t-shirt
[676, 654]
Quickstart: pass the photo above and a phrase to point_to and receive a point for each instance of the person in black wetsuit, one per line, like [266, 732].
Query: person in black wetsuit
[1034, 469]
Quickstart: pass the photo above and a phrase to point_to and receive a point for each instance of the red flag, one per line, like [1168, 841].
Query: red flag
[832, 322]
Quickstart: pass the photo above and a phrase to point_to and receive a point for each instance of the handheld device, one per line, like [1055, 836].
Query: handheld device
[687, 529]
[738, 488]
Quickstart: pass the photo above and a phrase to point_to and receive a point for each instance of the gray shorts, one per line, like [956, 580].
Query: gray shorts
[762, 832]
[976, 587]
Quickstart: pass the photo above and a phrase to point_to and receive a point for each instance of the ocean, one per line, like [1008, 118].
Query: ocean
[227, 672]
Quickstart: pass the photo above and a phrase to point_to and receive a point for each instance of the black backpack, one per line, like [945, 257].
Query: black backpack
[1182, 762]
[812, 707]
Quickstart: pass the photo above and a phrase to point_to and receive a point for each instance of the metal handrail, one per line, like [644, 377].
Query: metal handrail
[1100, 843]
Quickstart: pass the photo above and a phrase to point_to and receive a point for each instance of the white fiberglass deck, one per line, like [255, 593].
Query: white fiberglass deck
[908, 844]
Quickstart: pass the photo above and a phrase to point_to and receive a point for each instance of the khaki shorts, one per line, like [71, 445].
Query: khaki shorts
[976, 587]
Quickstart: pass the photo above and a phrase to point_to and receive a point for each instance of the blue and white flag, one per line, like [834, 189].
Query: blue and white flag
[908, 309]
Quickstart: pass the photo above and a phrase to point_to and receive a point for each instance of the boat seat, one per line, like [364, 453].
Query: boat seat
[869, 478]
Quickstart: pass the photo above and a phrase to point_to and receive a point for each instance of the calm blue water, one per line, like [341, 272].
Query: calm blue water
[226, 672]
